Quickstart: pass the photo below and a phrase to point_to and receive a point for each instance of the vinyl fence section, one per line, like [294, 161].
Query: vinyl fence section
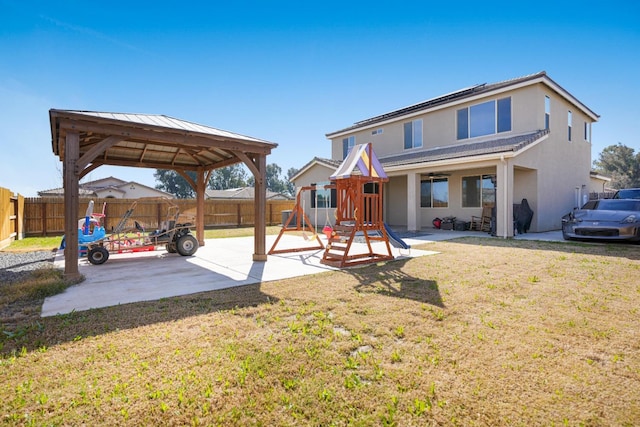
[11, 218]
[45, 216]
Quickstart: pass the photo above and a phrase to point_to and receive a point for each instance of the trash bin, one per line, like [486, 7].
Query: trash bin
[285, 216]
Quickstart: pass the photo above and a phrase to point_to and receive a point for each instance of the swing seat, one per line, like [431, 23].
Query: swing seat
[328, 231]
[309, 238]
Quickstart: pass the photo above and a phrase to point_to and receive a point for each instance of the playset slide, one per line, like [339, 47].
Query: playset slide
[394, 239]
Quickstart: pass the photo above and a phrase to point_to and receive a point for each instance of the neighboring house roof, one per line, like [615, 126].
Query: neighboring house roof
[242, 193]
[598, 175]
[464, 95]
[93, 188]
[59, 192]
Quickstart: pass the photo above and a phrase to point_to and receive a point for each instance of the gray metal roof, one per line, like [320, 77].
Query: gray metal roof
[167, 122]
[494, 146]
[150, 140]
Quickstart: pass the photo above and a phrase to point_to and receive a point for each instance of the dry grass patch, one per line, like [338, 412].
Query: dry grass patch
[488, 332]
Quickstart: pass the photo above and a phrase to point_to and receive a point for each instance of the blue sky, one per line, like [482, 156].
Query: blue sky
[290, 72]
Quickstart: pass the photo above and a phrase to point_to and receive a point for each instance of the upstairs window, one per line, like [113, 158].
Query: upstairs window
[569, 120]
[347, 144]
[547, 112]
[587, 132]
[486, 118]
[434, 192]
[413, 134]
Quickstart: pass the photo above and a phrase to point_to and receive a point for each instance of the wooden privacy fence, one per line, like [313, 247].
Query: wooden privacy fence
[11, 218]
[45, 216]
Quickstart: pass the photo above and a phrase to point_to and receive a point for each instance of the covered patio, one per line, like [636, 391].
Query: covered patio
[86, 140]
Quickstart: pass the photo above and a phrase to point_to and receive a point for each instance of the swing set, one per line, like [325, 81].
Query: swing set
[358, 216]
[302, 222]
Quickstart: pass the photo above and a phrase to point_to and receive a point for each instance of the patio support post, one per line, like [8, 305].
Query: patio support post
[71, 184]
[260, 206]
[504, 199]
[413, 198]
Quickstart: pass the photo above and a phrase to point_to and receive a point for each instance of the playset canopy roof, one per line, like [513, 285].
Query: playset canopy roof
[361, 160]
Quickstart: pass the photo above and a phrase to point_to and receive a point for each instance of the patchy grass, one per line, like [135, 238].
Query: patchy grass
[220, 233]
[34, 244]
[487, 332]
[49, 243]
[21, 303]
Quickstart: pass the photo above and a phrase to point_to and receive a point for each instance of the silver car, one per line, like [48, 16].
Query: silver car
[606, 219]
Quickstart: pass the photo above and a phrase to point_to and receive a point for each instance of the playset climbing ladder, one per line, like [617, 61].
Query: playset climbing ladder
[359, 211]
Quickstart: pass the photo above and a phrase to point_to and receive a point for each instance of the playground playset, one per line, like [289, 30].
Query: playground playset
[358, 184]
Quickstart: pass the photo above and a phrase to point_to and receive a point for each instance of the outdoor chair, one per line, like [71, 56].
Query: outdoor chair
[483, 222]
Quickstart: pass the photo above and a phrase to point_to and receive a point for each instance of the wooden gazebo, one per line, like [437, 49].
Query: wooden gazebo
[86, 140]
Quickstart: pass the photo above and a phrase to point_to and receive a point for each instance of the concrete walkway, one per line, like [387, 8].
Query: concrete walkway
[219, 264]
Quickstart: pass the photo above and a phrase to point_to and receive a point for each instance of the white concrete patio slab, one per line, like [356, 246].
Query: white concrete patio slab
[219, 264]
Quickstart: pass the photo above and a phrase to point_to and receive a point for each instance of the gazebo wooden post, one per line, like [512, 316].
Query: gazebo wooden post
[200, 189]
[71, 184]
[260, 206]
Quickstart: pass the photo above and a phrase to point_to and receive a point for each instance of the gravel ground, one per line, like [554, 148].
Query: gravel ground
[14, 265]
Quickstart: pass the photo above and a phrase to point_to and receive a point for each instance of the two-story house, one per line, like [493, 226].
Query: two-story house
[485, 145]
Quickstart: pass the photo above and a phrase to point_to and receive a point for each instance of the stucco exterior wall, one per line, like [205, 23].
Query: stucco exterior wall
[395, 201]
[563, 166]
[439, 125]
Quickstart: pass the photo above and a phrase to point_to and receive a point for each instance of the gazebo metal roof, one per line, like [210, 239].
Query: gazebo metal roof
[151, 141]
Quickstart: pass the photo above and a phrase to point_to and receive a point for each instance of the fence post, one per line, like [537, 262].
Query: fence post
[43, 218]
[159, 215]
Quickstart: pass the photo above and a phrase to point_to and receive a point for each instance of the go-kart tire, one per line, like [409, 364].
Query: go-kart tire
[171, 248]
[187, 245]
[98, 255]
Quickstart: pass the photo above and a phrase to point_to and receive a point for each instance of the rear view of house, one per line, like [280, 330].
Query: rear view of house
[488, 145]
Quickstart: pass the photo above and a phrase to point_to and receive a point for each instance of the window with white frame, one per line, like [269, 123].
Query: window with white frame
[587, 132]
[323, 197]
[347, 144]
[486, 118]
[569, 120]
[434, 192]
[547, 112]
[413, 134]
[478, 191]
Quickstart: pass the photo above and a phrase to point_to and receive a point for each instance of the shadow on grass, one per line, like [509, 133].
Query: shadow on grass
[50, 331]
[390, 280]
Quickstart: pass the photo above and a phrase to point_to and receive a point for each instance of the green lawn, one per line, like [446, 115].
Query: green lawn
[487, 332]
